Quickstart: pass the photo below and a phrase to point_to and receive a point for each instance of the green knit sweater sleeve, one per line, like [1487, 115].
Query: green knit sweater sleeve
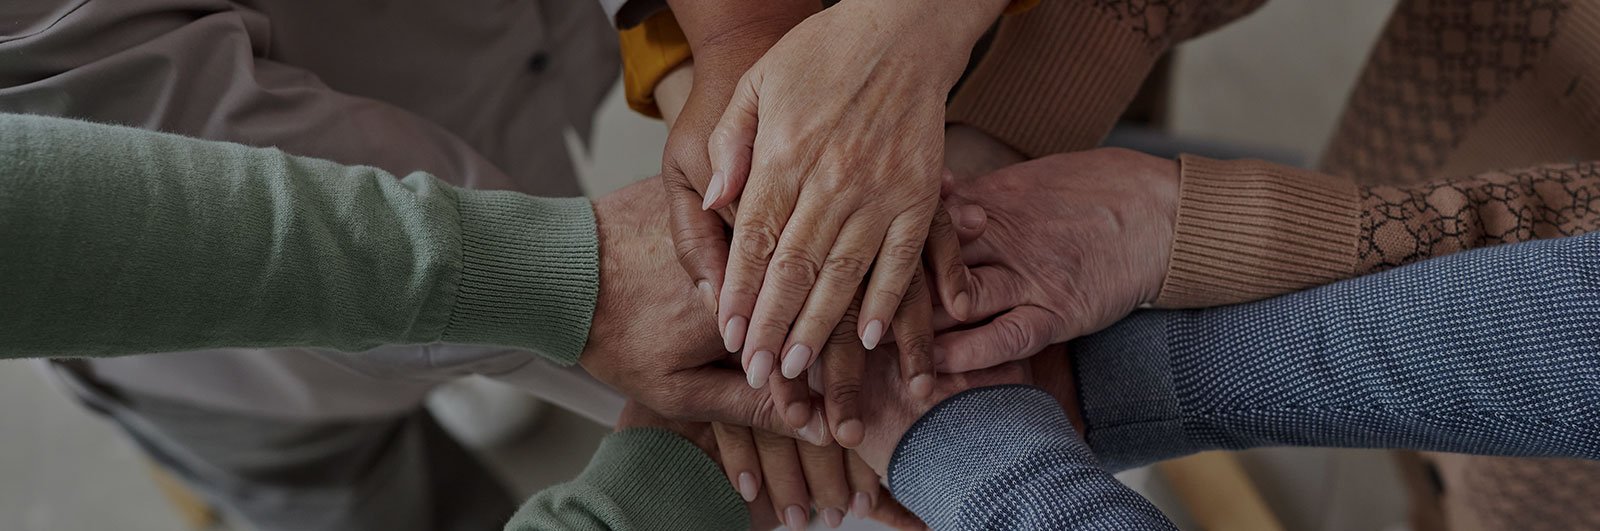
[640, 478]
[121, 241]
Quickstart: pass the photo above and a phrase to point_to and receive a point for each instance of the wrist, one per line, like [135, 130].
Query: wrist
[942, 30]
[736, 39]
[1165, 193]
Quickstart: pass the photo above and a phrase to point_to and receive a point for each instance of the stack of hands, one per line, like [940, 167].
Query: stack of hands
[850, 260]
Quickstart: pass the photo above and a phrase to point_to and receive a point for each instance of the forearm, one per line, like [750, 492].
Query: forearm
[1469, 353]
[641, 478]
[1249, 230]
[733, 34]
[124, 241]
[1007, 458]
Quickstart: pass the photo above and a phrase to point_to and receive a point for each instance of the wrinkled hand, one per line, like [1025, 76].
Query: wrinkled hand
[649, 338]
[691, 99]
[1073, 243]
[832, 144]
[800, 475]
[893, 408]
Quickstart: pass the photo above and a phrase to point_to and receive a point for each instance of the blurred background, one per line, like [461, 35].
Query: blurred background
[1269, 86]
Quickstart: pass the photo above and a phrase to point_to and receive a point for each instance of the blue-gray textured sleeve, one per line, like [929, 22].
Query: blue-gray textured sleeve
[1006, 457]
[1494, 351]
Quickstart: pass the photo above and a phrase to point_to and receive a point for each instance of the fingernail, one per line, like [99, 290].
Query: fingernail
[798, 358]
[747, 486]
[814, 432]
[962, 309]
[708, 297]
[795, 518]
[733, 333]
[921, 385]
[713, 191]
[760, 369]
[849, 430]
[872, 334]
[970, 217]
[833, 517]
[861, 505]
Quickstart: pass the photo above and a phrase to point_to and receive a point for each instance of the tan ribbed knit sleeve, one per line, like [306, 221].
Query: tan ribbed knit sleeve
[1249, 230]
[1057, 77]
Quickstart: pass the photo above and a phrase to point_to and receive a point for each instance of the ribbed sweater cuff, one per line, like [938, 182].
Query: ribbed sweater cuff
[1130, 406]
[529, 273]
[1055, 79]
[1249, 230]
[665, 481]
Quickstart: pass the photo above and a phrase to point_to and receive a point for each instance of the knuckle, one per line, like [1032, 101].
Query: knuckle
[915, 291]
[771, 328]
[845, 269]
[794, 270]
[846, 392]
[762, 414]
[1012, 335]
[917, 346]
[757, 241]
[844, 334]
[903, 252]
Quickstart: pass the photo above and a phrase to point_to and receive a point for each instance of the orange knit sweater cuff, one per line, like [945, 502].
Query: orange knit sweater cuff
[1249, 230]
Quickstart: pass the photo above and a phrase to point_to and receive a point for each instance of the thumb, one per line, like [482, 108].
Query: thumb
[698, 236]
[732, 144]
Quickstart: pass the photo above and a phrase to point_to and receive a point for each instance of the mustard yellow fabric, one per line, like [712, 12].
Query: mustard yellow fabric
[650, 50]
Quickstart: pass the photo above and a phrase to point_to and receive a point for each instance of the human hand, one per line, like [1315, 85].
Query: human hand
[971, 153]
[649, 338]
[836, 480]
[836, 162]
[701, 245]
[893, 409]
[1073, 243]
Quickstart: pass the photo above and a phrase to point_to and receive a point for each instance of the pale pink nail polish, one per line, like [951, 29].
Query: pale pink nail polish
[861, 505]
[748, 489]
[795, 517]
[760, 369]
[833, 517]
[872, 334]
[798, 358]
[713, 191]
[733, 333]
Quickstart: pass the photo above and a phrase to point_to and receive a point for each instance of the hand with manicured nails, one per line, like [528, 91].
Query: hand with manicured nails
[1073, 243]
[691, 99]
[799, 475]
[832, 144]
